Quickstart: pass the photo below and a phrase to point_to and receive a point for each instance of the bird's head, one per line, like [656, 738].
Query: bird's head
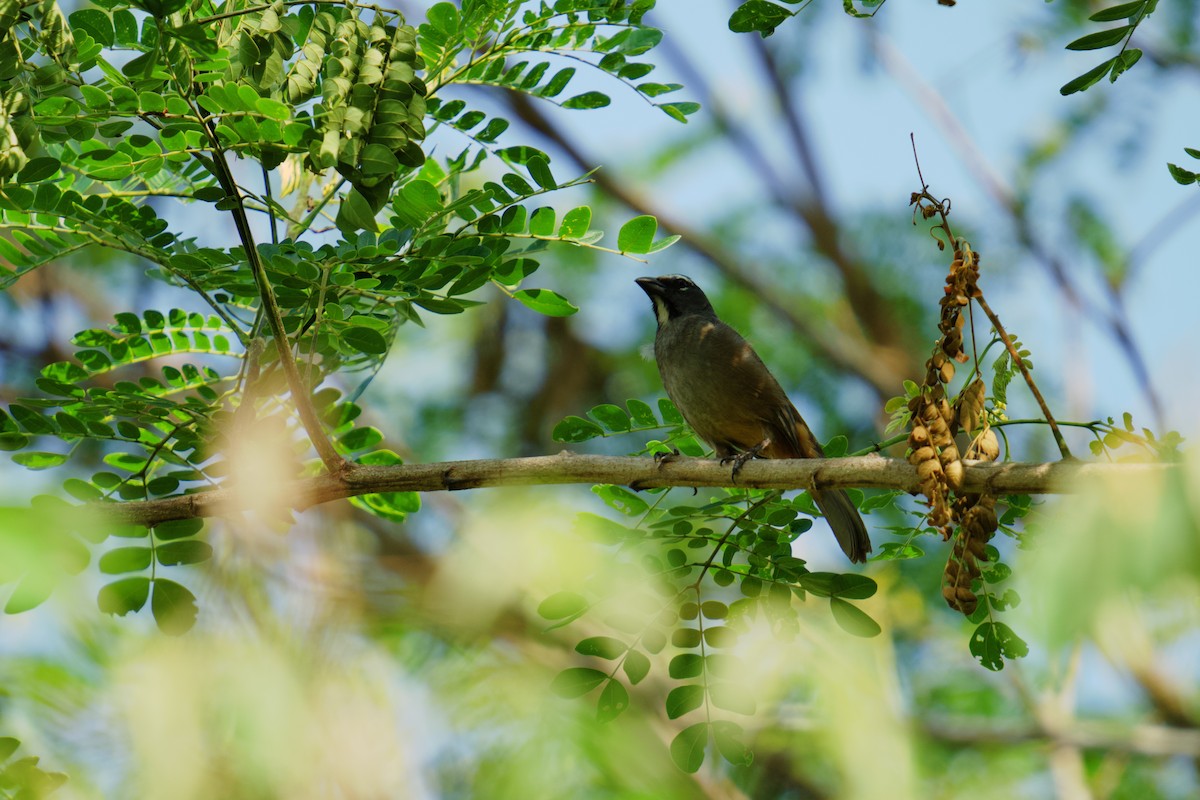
[675, 296]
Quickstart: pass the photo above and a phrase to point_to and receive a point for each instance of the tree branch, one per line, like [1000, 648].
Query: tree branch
[869, 472]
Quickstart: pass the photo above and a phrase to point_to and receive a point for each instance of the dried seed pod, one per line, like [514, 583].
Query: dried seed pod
[946, 373]
[954, 474]
[987, 446]
[946, 410]
[949, 454]
[978, 548]
[982, 520]
[919, 436]
[921, 455]
[927, 469]
[970, 408]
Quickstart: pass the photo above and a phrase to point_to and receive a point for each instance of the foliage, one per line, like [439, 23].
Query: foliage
[119, 104]
[119, 114]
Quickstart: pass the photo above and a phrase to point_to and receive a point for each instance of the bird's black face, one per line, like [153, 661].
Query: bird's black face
[675, 296]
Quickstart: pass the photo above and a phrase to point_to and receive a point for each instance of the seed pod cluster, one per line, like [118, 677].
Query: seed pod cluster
[370, 118]
[17, 133]
[933, 451]
[979, 524]
[301, 82]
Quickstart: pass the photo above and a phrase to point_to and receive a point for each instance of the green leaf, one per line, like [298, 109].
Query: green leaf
[992, 642]
[636, 666]
[576, 429]
[620, 499]
[727, 736]
[758, 15]
[39, 169]
[539, 170]
[545, 301]
[174, 607]
[1181, 176]
[123, 596]
[1087, 79]
[575, 223]
[731, 696]
[355, 214]
[34, 459]
[1096, 41]
[683, 699]
[852, 587]
[576, 681]
[365, 340]
[601, 646]
[613, 700]
[637, 235]
[642, 413]
[541, 222]
[687, 748]
[852, 619]
[588, 100]
[33, 590]
[612, 417]
[686, 665]
[8, 746]
[125, 559]
[1113, 13]
[188, 551]
[178, 529]
[561, 605]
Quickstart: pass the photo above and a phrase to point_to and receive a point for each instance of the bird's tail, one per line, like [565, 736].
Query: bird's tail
[847, 525]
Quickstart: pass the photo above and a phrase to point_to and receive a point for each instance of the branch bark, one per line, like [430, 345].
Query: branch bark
[868, 472]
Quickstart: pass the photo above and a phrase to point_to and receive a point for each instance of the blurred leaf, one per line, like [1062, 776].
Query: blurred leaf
[683, 699]
[576, 681]
[614, 699]
[601, 646]
[728, 738]
[561, 605]
[636, 666]
[173, 606]
[125, 559]
[123, 596]
[687, 748]
[852, 619]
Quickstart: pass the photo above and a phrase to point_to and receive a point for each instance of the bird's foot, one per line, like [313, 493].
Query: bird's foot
[739, 459]
[661, 458]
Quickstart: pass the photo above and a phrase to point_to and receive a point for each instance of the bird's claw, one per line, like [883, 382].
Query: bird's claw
[661, 458]
[739, 459]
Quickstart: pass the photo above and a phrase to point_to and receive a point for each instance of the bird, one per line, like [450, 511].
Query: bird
[732, 401]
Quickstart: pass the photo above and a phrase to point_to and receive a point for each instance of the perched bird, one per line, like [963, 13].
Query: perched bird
[732, 400]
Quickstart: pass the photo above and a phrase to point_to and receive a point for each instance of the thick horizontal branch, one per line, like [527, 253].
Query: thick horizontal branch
[866, 472]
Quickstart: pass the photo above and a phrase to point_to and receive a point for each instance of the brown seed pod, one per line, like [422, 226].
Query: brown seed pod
[919, 436]
[921, 455]
[946, 373]
[987, 446]
[928, 469]
[970, 409]
[954, 474]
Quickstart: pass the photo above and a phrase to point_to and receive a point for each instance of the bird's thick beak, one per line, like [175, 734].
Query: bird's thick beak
[650, 286]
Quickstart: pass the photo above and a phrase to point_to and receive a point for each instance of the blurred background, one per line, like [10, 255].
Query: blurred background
[355, 658]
